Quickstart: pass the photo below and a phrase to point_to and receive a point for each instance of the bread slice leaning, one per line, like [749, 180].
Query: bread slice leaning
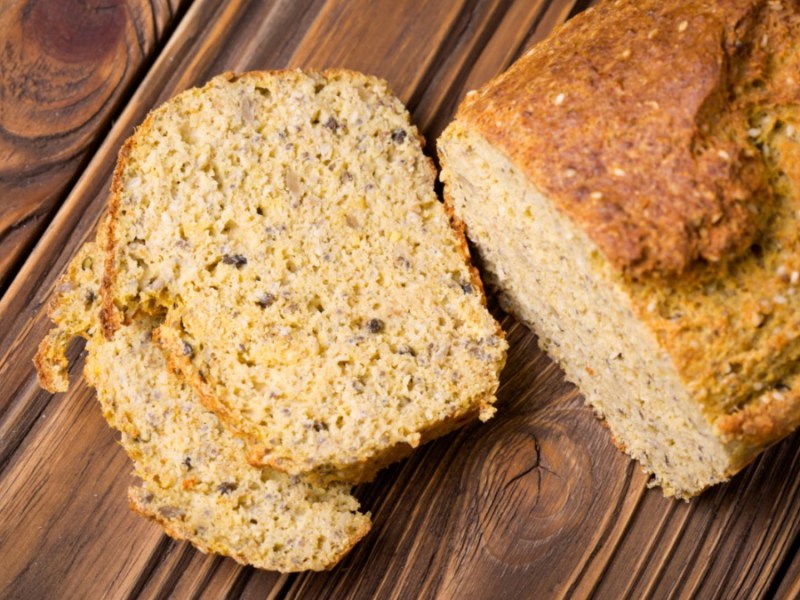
[645, 222]
[315, 293]
[194, 477]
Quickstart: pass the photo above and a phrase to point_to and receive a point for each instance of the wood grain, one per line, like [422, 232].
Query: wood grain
[536, 503]
[67, 68]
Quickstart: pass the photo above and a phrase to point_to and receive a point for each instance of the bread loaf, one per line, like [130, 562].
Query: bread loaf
[631, 184]
[194, 477]
[312, 288]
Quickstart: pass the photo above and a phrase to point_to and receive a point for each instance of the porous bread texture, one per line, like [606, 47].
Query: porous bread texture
[695, 374]
[196, 481]
[194, 477]
[551, 277]
[315, 293]
[74, 309]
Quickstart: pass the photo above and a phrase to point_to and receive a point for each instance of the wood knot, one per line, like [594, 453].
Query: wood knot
[532, 487]
[75, 31]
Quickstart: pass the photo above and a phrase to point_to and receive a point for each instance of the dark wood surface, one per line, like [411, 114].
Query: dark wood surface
[534, 504]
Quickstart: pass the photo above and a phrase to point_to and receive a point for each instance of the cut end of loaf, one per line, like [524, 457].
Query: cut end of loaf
[553, 278]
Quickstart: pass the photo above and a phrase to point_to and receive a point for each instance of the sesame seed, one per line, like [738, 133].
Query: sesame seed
[683, 26]
[758, 386]
[618, 172]
[596, 195]
[570, 173]
[780, 271]
[727, 368]
[779, 299]
[652, 34]
[790, 130]
[754, 132]
[652, 306]
[764, 40]
[559, 99]
[724, 155]
[794, 278]
[626, 53]
[777, 395]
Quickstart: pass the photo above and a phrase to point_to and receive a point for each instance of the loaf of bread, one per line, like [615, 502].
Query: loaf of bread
[194, 477]
[631, 184]
[313, 290]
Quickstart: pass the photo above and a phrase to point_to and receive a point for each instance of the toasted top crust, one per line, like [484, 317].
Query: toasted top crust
[634, 118]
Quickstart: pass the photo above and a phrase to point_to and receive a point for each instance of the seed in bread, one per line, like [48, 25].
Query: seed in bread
[315, 292]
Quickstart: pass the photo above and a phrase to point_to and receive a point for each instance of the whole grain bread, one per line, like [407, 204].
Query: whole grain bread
[631, 184]
[193, 475]
[313, 290]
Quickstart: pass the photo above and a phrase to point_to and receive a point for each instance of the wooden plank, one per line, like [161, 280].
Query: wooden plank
[68, 67]
[789, 584]
[64, 508]
[535, 503]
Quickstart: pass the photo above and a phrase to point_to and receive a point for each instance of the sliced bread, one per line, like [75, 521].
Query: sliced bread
[314, 291]
[194, 477]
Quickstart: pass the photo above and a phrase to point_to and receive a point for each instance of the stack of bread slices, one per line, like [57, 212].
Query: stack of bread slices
[276, 306]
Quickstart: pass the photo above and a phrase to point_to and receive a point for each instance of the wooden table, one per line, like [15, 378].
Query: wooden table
[534, 504]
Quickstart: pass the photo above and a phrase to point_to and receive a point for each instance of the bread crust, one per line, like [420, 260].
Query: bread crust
[633, 118]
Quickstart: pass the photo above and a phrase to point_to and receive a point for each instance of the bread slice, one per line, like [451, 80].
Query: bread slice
[195, 480]
[314, 291]
[644, 221]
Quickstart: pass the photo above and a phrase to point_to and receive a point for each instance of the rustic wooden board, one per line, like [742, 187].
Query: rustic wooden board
[68, 67]
[536, 503]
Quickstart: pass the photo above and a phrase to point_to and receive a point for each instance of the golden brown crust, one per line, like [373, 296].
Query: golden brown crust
[51, 361]
[760, 423]
[633, 118]
[109, 316]
[168, 339]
